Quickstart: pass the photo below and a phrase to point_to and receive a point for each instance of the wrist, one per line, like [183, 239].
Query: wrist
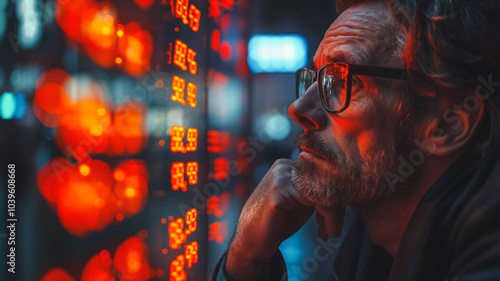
[240, 266]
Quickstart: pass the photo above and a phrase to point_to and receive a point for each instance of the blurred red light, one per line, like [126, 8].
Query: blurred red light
[56, 274]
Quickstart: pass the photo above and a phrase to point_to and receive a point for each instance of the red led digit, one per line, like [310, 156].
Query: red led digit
[191, 253]
[194, 18]
[218, 142]
[217, 205]
[178, 85]
[172, 7]
[221, 168]
[169, 54]
[191, 223]
[176, 234]
[181, 10]
[177, 176]
[191, 94]
[176, 139]
[192, 172]
[217, 231]
[192, 139]
[180, 52]
[192, 63]
[177, 272]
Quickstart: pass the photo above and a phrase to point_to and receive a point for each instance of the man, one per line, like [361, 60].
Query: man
[414, 155]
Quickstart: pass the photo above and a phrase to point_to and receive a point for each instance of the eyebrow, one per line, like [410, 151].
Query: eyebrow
[339, 57]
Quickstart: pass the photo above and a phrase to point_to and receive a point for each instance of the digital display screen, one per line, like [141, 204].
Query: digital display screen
[134, 113]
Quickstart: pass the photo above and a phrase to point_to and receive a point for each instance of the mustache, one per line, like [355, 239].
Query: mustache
[315, 144]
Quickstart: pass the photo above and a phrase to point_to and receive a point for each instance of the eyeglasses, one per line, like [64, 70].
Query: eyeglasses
[335, 81]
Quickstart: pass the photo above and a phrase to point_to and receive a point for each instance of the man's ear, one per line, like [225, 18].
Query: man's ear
[452, 129]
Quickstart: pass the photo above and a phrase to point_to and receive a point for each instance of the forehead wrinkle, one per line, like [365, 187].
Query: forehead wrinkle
[367, 36]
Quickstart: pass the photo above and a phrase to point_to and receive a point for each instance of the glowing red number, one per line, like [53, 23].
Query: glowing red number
[176, 139]
[177, 176]
[192, 63]
[178, 88]
[177, 272]
[192, 139]
[217, 231]
[217, 205]
[180, 54]
[194, 18]
[191, 94]
[191, 216]
[218, 142]
[221, 168]
[181, 10]
[192, 172]
[191, 253]
[176, 234]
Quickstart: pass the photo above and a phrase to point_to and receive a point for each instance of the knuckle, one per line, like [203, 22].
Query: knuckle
[282, 161]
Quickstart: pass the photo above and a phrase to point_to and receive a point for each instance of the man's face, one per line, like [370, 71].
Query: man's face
[346, 155]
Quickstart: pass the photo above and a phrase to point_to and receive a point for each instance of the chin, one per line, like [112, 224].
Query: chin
[328, 185]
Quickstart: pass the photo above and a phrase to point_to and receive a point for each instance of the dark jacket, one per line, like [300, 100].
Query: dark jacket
[453, 235]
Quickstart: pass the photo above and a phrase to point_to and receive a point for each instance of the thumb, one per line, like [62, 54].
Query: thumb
[332, 219]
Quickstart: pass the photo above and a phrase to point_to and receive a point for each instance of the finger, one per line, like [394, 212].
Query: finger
[297, 196]
[283, 161]
[318, 218]
[322, 234]
[333, 219]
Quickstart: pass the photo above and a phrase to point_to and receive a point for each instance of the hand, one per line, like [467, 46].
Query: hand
[330, 221]
[274, 212]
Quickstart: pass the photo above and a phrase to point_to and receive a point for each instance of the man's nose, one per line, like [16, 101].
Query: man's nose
[308, 110]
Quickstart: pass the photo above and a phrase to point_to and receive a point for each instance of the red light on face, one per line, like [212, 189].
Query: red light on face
[177, 272]
[191, 253]
[181, 10]
[192, 172]
[194, 18]
[176, 139]
[177, 176]
[180, 52]
[192, 139]
[176, 234]
[178, 85]
[191, 94]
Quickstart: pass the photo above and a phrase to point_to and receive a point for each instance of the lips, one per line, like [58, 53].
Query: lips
[311, 153]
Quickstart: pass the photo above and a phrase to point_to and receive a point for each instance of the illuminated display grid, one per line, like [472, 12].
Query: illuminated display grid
[158, 230]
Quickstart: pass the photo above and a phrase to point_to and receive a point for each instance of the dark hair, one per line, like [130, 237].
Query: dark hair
[454, 43]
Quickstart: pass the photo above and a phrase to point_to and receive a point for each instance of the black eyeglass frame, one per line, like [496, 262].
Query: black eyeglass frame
[352, 69]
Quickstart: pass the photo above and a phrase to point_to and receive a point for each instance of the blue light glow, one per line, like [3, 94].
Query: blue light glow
[20, 105]
[7, 105]
[277, 53]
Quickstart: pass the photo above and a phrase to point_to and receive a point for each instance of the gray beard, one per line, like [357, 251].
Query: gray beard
[342, 182]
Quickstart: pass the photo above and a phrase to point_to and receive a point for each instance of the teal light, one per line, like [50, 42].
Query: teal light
[7, 105]
[276, 53]
[20, 105]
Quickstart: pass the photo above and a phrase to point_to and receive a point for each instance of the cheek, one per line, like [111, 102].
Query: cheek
[362, 131]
